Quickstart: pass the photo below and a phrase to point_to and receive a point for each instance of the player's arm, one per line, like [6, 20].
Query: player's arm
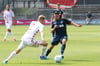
[53, 28]
[42, 35]
[41, 30]
[75, 24]
[14, 20]
[62, 15]
[52, 17]
[5, 19]
[13, 16]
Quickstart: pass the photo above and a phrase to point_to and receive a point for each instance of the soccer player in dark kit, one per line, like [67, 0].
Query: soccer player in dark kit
[60, 11]
[59, 26]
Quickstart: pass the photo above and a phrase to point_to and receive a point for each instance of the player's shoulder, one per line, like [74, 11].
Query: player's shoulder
[8, 11]
[11, 10]
[64, 19]
[33, 23]
[40, 24]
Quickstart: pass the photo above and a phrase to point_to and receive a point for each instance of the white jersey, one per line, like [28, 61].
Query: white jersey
[34, 28]
[8, 15]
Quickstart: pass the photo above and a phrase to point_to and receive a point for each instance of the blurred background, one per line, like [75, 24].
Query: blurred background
[30, 9]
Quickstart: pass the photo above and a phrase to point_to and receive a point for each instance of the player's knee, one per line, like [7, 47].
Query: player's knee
[64, 41]
[9, 30]
[17, 51]
[46, 44]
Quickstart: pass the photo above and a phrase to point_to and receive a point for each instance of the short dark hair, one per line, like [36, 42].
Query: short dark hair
[56, 13]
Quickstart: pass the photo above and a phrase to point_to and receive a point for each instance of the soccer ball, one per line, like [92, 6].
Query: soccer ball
[58, 59]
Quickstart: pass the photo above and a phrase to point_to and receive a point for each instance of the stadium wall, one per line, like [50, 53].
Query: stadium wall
[25, 22]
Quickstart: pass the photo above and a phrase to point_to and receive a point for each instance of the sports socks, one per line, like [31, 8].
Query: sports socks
[6, 35]
[43, 51]
[11, 56]
[11, 33]
[48, 51]
[63, 48]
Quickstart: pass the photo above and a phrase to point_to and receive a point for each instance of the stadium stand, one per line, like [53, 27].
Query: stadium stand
[30, 9]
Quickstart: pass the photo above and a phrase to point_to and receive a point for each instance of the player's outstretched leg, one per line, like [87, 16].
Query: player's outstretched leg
[11, 56]
[49, 50]
[20, 47]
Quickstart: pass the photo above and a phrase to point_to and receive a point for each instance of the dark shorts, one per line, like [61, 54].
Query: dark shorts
[58, 39]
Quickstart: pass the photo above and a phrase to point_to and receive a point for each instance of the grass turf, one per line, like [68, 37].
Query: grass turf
[83, 48]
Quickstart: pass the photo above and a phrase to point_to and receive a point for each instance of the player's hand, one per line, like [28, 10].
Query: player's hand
[55, 26]
[53, 29]
[80, 25]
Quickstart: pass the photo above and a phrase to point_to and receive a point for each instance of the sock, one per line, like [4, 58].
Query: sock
[43, 51]
[11, 56]
[7, 33]
[48, 52]
[11, 33]
[63, 48]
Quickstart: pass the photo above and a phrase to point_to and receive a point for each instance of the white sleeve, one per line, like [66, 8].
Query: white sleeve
[33, 22]
[12, 13]
[41, 28]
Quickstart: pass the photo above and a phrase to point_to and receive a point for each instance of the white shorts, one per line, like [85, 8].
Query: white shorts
[25, 43]
[8, 25]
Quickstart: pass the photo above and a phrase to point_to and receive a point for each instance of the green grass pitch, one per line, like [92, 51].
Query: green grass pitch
[83, 48]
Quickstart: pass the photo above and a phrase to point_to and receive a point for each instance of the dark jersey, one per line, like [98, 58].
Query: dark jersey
[89, 15]
[60, 12]
[61, 26]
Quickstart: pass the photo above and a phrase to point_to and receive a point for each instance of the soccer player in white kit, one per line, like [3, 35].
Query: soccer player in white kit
[28, 39]
[8, 15]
